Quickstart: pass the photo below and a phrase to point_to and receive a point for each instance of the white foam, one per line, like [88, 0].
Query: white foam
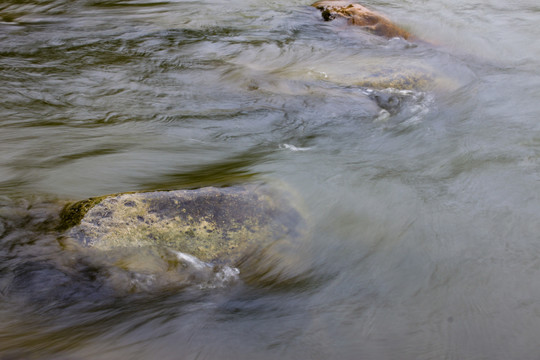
[383, 116]
[142, 281]
[416, 106]
[192, 261]
[210, 276]
[293, 148]
[224, 277]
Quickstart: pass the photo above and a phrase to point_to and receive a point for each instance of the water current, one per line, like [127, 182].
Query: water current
[422, 203]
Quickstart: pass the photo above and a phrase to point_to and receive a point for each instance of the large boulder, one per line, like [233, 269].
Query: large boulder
[215, 225]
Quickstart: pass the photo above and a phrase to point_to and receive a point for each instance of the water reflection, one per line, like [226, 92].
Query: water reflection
[235, 170]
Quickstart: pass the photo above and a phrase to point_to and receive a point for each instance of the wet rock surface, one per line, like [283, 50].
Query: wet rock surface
[381, 74]
[359, 15]
[401, 78]
[217, 225]
[101, 250]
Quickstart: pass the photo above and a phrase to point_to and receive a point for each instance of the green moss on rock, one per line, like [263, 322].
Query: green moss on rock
[73, 213]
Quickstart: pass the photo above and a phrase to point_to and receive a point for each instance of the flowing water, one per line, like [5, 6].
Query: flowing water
[423, 203]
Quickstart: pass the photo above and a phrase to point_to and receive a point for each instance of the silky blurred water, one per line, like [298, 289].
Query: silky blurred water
[424, 234]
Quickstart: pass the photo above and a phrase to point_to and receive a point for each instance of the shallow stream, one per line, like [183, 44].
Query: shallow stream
[423, 203]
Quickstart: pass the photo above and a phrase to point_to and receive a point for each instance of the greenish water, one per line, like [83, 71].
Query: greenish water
[423, 204]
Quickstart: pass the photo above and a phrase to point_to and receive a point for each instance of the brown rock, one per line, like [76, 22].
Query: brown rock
[359, 15]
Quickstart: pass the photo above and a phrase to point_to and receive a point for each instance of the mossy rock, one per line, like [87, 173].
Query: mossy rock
[218, 225]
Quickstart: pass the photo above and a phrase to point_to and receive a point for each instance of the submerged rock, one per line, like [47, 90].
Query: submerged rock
[382, 73]
[49, 285]
[401, 78]
[216, 225]
[378, 73]
[357, 14]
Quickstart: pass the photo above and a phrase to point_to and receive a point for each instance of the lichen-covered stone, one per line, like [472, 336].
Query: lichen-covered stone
[357, 14]
[399, 78]
[217, 225]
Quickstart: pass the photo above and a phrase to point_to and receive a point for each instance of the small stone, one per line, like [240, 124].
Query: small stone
[358, 15]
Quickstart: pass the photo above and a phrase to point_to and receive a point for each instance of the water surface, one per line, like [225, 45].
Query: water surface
[424, 216]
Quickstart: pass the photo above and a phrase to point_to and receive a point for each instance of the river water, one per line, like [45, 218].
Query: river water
[423, 206]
